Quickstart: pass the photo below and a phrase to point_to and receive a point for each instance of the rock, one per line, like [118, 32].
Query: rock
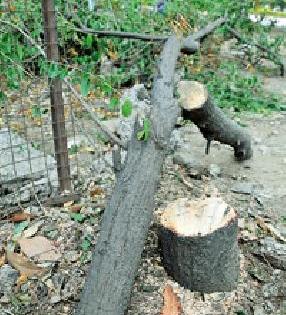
[72, 256]
[263, 149]
[21, 156]
[214, 170]
[55, 299]
[258, 310]
[274, 252]
[8, 278]
[25, 195]
[243, 188]
[106, 66]
[186, 158]
[257, 140]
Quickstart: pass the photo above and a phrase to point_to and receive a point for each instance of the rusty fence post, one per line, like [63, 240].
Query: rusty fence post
[57, 104]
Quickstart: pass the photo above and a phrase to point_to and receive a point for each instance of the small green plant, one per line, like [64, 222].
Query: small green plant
[78, 217]
[126, 108]
[74, 149]
[144, 134]
[19, 228]
[86, 243]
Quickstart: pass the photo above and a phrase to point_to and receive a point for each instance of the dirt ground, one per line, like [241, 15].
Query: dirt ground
[260, 191]
[255, 189]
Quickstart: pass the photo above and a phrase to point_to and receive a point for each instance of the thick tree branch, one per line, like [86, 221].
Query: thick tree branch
[128, 214]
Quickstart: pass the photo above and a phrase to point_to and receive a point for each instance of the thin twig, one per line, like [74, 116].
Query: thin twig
[107, 132]
[262, 48]
[119, 34]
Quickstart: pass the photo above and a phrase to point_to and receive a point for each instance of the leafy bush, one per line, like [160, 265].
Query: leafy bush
[133, 60]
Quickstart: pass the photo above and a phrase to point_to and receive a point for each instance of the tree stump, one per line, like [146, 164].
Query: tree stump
[199, 245]
[197, 106]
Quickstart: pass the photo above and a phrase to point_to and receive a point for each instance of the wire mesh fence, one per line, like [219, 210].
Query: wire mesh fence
[91, 69]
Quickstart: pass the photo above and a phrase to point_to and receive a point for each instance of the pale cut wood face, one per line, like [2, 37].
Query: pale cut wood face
[192, 94]
[197, 217]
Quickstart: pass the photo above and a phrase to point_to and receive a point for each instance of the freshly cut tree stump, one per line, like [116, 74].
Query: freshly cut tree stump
[199, 245]
[198, 107]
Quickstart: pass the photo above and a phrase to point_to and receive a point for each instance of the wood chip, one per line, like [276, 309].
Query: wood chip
[172, 304]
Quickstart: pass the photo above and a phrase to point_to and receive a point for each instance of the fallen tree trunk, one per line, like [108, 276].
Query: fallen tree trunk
[128, 214]
[198, 107]
[127, 217]
[198, 239]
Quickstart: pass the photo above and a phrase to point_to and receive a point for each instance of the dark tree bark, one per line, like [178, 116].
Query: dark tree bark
[127, 217]
[213, 123]
[128, 214]
[199, 244]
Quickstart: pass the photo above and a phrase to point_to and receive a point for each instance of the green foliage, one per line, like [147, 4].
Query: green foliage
[74, 149]
[233, 88]
[85, 84]
[78, 217]
[86, 243]
[19, 228]
[126, 108]
[134, 59]
[144, 134]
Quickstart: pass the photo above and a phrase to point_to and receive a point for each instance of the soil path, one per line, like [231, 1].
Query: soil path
[266, 170]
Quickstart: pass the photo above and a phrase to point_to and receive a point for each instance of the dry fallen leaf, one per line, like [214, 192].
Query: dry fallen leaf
[172, 305]
[75, 208]
[2, 260]
[22, 279]
[20, 216]
[24, 265]
[96, 191]
[39, 247]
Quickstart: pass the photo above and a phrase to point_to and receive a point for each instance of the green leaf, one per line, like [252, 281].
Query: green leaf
[144, 134]
[73, 149]
[85, 84]
[146, 128]
[126, 108]
[36, 111]
[3, 96]
[140, 135]
[86, 244]
[20, 51]
[78, 217]
[88, 41]
[19, 228]
[114, 103]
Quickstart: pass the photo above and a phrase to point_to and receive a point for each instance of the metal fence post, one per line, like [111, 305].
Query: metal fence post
[57, 104]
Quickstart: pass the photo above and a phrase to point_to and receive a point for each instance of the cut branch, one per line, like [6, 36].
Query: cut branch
[199, 244]
[198, 107]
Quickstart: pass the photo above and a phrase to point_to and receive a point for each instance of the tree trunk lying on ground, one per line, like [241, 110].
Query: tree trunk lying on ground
[128, 214]
[199, 244]
[198, 107]
[127, 217]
